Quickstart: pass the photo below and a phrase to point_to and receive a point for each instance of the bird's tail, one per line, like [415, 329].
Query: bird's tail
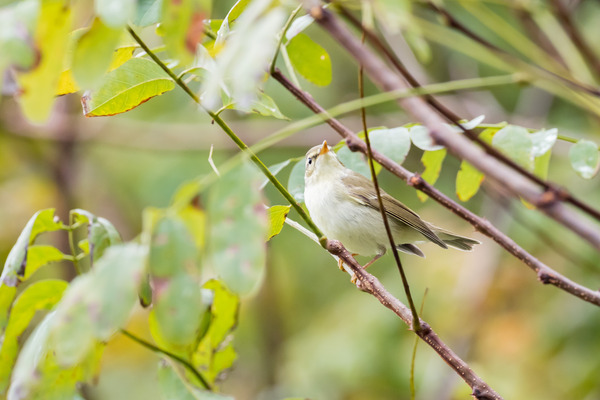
[456, 241]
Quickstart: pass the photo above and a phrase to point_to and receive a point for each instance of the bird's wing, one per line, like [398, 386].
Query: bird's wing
[362, 191]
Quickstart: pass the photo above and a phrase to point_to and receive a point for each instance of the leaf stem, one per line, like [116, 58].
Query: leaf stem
[72, 246]
[175, 357]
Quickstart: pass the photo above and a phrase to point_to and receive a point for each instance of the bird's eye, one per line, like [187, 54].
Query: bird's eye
[309, 161]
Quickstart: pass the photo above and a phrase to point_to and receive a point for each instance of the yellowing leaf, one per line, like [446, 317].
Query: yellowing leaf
[468, 181]
[183, 27]
[39, 85]
[126, 87]
[432, 160]
[310, 59]
[277, 216]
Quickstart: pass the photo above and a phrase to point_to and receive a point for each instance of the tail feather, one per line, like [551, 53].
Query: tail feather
[456, 241]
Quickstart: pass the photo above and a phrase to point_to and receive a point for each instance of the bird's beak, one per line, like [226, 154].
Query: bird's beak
[325, 148]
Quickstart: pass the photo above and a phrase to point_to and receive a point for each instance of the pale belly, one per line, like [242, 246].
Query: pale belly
[358, 227]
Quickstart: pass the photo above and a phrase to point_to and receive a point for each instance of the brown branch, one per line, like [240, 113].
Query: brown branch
[545, 274]
[564, 17]
[370, 284]
[384, 49]
[547, 201]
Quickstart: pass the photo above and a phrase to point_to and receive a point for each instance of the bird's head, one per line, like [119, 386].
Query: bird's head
[321, 161]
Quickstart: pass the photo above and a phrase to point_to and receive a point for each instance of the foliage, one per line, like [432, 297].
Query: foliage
[196, 259]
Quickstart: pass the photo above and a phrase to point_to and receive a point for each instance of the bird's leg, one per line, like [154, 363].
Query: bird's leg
[341, 262]
[353, 280]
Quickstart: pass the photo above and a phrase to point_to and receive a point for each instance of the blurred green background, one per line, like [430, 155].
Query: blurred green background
[309, 332]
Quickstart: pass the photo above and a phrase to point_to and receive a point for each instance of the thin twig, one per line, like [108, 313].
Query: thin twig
[413, 358]
[283, 32]
[381, 46]
[239, 142]
[545, 274]
[415, 316]
[173, 356]
[460, 146]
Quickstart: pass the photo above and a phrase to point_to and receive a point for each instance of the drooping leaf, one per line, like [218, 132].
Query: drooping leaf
[310, 59]
[541, 164]
[584, 158]
[296, 181]
[126, 87]
[515, 143]
[93, 54]
[51, 36]
[211, 356]
[277, 216]
[421, 138]
[42, 295]
[543, 141]
[101, 234]
[432, 160]
[115, 13]
[183, 27]
[238, 228]
[147, 12]
[468, 181]
[97, 303]
[393, 143]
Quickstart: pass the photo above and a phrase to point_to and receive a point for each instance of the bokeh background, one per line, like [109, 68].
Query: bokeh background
[308, 332]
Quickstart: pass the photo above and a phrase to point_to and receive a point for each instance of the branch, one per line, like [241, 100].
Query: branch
[545, 274]
[548, 201]
[562, 193]
[370, 284]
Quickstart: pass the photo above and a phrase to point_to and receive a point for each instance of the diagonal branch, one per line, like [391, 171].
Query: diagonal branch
[544, 273]
[384, 49]
[548, 201]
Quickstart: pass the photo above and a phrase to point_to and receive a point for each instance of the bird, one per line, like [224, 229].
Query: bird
[344, 205]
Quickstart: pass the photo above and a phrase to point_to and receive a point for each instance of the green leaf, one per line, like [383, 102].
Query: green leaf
[393, 143]
[421, 138]
[51, 36]
[354, 160]
[236, 10]
[277, 216]
[238, 228]
[115, 13]
[299, 25]
[97, 303]
[93, 54]
[39, 256]
[178, 310]
[296, 181]
[42, 295]
[126, 87]
[148, 12]
[541, 165]
[183, 27]
[101, 234]
[584, 158]
[432, 160]
[173, 250]
[310, 59]
[265, 105]
[515, 143]
[15, 267]
[210, 355]
[468, 181]
[543, 141]
[38, 375]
